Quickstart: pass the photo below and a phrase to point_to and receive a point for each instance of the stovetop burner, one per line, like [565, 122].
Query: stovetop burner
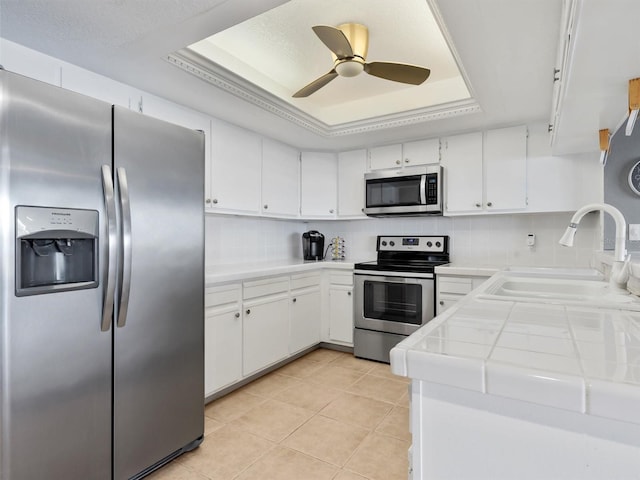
[409, 254]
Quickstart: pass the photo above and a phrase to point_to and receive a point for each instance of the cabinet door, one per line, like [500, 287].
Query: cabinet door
[462, 162]
[265, 333]
[280, 179]
[351, 169]
[319, 185]
[236, 158]
[341, 314]
[421, 152]
[505, 169]
[304, 330]
[387, 156]
[222, 348]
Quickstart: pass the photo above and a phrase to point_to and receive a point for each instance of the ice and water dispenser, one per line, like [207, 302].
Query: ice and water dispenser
[56, 249]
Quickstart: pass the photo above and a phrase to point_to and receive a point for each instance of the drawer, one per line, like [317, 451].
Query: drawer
[269, 286]
[304, 280]
[457, 285]
[340, 278]
[215, 296]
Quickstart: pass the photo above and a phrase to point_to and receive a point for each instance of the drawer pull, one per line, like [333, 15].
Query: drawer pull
[295, 300]
[237, 315]
[248, 311]
[441, 302]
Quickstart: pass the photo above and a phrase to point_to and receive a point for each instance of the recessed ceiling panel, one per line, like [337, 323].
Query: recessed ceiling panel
[279, 53]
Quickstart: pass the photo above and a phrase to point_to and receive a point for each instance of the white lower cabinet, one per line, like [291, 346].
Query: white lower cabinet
[265, 338]
[304, 330]
[255, 324]
[341, 314]
[340, 306]
[222, 337]
[450, 289]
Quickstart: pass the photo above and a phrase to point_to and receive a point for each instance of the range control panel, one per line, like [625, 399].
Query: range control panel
[422, 243]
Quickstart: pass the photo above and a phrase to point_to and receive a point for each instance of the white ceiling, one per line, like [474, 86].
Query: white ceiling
[279, 52]
[507, 48]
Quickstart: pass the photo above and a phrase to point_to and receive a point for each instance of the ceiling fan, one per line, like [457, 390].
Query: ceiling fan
[349, 43]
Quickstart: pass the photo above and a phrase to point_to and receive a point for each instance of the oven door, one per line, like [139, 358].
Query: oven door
[393, 302]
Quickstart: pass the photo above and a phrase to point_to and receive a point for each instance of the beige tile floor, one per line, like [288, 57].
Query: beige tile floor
[325, 416]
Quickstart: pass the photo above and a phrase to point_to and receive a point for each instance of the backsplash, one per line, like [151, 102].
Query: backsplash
[496, 240]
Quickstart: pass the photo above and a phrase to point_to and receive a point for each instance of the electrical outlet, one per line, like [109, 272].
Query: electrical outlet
[634, 232]
[531, 239]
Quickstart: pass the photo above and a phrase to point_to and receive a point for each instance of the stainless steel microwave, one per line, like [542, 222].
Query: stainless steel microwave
[410, 191]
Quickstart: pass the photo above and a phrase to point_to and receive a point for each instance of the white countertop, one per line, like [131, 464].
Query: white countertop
[215, 274]
[575, 357]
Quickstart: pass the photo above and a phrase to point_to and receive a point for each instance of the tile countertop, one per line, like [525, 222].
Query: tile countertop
[573, 357]
[215, 274]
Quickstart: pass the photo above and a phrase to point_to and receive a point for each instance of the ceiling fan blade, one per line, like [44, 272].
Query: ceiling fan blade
[398, 72]
[316, 85]
[335, 40]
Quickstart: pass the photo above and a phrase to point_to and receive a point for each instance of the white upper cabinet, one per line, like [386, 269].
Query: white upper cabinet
[505, 169]
[487, 176]
[408, 154]
[280, 179]
[236, 158]
[462, 162]
[421, 152]
[351, 169]
[387, 156]
[319, 185]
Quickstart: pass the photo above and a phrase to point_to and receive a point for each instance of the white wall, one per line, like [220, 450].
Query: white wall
[496, 240]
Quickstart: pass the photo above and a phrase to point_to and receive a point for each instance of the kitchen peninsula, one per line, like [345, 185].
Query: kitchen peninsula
[508, 386]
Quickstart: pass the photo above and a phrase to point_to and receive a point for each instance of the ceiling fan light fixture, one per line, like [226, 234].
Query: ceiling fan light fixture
[349, 68]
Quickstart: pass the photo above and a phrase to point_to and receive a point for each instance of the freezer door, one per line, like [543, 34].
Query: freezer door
[55, 362]
[159, 344]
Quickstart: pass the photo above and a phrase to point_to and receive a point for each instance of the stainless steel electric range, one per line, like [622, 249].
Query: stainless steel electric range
[395, 295]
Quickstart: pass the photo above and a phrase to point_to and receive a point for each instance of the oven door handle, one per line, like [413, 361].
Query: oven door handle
[378, 274]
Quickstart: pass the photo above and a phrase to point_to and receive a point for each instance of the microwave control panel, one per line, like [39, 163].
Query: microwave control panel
[432, 188]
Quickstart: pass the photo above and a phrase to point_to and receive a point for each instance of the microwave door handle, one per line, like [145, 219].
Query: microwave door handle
[111, 241]
[423, 189]
[125, 258]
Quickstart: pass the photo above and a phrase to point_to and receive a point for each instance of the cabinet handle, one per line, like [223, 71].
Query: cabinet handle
[478, 205]
[248, 311]
[266, 206]
[398, 162]
[331, 210]
[349, 293]
[215, 200]
[406, 160]
[237, 315]
[441, 302]
[294, 300]
[208, 200]
[489, 204]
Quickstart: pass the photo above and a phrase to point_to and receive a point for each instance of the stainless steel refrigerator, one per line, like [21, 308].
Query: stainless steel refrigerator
[101, 288]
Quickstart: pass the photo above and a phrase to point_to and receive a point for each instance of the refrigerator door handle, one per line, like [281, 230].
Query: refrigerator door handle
[125, 242]
[112, 243]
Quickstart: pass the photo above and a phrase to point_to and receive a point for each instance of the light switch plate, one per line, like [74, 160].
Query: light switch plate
[634, 231]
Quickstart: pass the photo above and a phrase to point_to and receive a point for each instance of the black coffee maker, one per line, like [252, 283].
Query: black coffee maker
[313, 245]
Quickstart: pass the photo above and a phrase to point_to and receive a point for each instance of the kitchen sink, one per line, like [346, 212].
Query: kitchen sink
[559, 289]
